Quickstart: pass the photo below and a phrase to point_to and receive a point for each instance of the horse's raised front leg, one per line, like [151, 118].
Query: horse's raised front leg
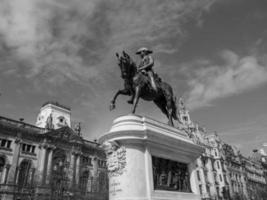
[136, 98]
[113, 101]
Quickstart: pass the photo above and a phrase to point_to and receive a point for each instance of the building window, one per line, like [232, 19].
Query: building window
[28, 148]
[5, 144]
[100, 163]
[208, 189]
[8, 144]
[218, 165]
[2, 163]
[215, 152]
[198, 176]
[220, 177]
[33, 149]
[218, 190]
[24, 177]
[200, 189]
[225, 177]
[87, 160]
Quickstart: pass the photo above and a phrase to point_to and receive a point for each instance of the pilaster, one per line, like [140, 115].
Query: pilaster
[49, 164]
[5, 173]
[77, 175]
[43, 164]
[72, 169]
[12, 175]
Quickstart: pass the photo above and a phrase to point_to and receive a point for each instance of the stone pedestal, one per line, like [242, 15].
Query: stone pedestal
[132, 143]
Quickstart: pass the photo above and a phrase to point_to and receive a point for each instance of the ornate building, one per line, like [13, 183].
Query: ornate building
[50, 160]
[235, 172]
[256, 182]
[210, 171]
[222, 172]
[263, 161]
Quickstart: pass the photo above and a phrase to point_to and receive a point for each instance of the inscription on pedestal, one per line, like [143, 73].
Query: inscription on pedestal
[170, 175]
[115, 188]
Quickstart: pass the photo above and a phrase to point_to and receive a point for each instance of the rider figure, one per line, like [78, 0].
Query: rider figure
[146, 65]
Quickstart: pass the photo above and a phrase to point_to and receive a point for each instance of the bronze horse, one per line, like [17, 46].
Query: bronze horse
[137, 84]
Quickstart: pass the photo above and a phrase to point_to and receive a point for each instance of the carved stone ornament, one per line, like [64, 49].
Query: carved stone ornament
[116, 158]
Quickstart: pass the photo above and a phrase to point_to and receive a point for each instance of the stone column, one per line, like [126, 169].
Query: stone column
[7, 168]
[41, 171]
[49, 166]
[3, 174]
[31, 174]
[94, 173]
[72, 169]
[12, 176]
[77, 176]
[17, 171]
[193, 177]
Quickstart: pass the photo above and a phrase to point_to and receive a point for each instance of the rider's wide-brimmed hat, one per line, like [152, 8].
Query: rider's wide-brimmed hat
[144, 49]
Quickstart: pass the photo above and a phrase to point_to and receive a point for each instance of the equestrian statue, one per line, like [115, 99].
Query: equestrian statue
[142, 82]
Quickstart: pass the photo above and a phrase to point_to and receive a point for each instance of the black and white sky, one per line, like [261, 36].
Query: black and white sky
[213, 53]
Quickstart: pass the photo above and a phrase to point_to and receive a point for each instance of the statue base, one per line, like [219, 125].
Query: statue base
[149, 160]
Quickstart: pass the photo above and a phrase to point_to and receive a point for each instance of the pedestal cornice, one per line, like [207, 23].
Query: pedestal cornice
[138, 129]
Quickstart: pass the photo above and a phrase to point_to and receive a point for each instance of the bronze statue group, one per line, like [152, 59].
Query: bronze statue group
[140, 81]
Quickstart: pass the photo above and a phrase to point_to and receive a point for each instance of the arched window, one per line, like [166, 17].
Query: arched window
[84, 181]
[24, 174]
[2, 165]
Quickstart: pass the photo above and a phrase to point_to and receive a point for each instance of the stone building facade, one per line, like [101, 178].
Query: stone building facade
[255, 167]
[210, 172]
[50, 160]
[263, 160]
[235, 171]
[223, 173]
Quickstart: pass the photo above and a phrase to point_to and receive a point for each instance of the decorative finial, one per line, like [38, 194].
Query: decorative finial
[181, 104]
[78, 128]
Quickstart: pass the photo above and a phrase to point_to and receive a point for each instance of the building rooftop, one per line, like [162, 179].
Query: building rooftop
[55, 103]
[11, 123]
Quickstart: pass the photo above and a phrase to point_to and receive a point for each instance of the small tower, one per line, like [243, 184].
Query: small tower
[184, 116]
[53, 116]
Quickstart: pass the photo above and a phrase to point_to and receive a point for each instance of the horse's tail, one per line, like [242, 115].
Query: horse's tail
[168, 94]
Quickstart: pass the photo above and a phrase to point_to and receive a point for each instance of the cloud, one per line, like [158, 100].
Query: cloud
[236, 75]
[73, 40]
[247, 135]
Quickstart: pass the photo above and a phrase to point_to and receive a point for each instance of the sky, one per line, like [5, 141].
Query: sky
[212, 52]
